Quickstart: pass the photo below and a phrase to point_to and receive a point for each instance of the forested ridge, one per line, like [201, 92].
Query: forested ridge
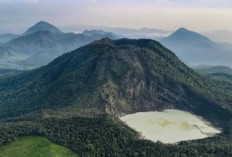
[75, 100]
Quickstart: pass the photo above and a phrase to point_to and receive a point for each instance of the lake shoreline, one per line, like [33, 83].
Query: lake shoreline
[170, 126]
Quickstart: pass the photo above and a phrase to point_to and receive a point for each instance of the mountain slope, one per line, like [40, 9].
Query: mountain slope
[224, 36]
[195, 49]
[111, 77]
[183, 34]
[6, 37]
[42, 26]
[39, 48]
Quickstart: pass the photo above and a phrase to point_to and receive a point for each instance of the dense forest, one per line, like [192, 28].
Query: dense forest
[105, 136]
[75, 100]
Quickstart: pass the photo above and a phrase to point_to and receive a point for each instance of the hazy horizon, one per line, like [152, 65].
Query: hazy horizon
[197, 15]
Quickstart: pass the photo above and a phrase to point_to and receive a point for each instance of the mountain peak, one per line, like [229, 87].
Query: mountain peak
[182, 29]
[113, 77]
[42, 26]
[104, 41]
[128, 68]
[42, 22]
[128, 42]
[187, 35]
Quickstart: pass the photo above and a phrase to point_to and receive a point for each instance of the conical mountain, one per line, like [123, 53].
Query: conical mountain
[110, 77]
[185, 33]
[42, 43]
[185, 36]
[195, 49]
[42, 26]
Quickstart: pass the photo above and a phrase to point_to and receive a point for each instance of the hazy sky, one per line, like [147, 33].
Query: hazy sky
[198, 15]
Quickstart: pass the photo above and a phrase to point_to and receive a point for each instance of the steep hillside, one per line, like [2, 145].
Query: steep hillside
[112, 77]
[195, 49]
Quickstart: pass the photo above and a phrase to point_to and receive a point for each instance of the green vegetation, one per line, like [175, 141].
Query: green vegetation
[97, 78]
[106, 137]
[35, 147]
[220, 79]
[75, 100]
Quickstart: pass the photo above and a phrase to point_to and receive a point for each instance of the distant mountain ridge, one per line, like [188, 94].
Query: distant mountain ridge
[7, 37]
[148, 33]
[42, 43]
[184, 35]
[195, 49]
[4, 72]
[215, 70]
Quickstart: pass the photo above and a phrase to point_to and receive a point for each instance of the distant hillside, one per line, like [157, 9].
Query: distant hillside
[146, 33]
[99, 32]
[36, 49]
[195, 49]
[6, 37]
[215, 69]
[4, 72]
[224, 36]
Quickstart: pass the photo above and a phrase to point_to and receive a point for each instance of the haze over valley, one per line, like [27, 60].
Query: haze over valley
[43, 42]
[107, 78]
